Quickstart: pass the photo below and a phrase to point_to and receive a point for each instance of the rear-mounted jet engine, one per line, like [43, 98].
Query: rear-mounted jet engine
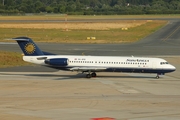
[57, 61]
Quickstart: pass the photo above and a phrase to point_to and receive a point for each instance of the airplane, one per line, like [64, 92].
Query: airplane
[92, 64]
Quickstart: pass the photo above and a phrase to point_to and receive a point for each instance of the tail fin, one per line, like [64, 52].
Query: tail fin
[28, 47]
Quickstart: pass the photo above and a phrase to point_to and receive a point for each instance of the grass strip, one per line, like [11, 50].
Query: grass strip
[11, 59]
[111, 35]
[84, 17]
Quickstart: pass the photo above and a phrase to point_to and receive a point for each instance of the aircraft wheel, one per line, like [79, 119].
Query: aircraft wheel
[88, 76]
[157, 77]
[93, 74]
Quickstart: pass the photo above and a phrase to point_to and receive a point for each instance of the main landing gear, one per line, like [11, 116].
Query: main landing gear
[89, 75]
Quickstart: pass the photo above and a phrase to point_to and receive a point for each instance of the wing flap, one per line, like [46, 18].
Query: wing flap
[87, 69]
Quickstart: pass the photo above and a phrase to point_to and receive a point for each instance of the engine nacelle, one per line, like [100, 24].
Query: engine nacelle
[57, 61]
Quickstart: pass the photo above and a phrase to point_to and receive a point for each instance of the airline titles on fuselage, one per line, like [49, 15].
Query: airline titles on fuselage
[137, 60]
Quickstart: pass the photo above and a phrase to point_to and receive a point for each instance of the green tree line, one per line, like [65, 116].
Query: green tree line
[90, 7]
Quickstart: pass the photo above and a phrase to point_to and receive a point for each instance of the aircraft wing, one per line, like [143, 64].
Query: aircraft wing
[84, 69]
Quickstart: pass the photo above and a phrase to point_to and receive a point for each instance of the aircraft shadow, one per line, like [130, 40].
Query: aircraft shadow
[84, 76]
[76, 76]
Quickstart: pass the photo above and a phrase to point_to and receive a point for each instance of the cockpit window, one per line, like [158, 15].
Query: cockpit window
[163, 63]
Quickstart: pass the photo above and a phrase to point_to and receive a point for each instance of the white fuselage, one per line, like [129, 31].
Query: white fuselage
[107, 63]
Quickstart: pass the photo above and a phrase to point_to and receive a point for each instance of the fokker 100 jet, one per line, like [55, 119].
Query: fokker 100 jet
[92, 64]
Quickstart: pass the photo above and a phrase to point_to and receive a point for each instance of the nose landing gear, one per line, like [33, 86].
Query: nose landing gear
[157, 77]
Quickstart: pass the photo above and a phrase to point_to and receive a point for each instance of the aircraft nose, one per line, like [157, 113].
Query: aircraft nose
[173, 67]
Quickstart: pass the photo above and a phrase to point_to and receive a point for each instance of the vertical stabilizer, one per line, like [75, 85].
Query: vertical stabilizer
[28, 47]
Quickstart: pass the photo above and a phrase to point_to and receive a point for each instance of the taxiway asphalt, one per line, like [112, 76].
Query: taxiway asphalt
[69, 96]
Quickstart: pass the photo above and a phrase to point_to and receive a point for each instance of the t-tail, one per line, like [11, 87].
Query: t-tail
[28, 47]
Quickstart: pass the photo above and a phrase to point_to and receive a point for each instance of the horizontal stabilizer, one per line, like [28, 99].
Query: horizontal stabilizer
[16, 39]
[41, 58]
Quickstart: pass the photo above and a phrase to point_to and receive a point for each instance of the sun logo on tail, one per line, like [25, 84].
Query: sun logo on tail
[30, 48]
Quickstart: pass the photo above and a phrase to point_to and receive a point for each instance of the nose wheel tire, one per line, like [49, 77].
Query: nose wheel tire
[157, 77]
